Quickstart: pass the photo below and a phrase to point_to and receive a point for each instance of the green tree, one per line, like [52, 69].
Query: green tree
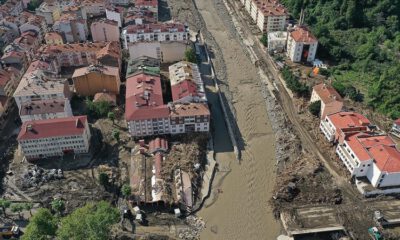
[190, 55]
[17, 208]
[104, 179]
[126, 190]
[264, 40]
[111, 116]
[42, 226]
[115, 134]
[315, 108]
[93, 221]
[97, 109]
[28, 207]
[58, 206]
[4, 204]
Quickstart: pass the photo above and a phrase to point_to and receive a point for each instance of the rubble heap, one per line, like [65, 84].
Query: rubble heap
[196, 225]
[36, 176]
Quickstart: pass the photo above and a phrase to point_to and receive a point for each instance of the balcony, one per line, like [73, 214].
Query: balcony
[346, 158]
[327, 131]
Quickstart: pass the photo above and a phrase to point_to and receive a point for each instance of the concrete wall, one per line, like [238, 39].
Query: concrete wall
[172, 51]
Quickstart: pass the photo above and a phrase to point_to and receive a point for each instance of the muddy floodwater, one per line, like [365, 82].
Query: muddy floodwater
[238, 207]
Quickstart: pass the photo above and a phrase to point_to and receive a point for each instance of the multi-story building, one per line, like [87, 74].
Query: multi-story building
[137, 16]
[96, 78]
[302, 45]
[372, 156]
[9, 79]
[15, 56]
[396, 128]
[105, 31]
[45, 109]
[165, 41]
[53, 38]
[78, 10]
[29, 42]
[12, 23]
[277, 41]
[331, 101]
[147, 114]
[71, 28]
[54, 137]
[187, 118]
[120, 2]
[35, 86]
[50, 11]
[155, 32]
[11, 7]
[115, 14]
[147, 65]
[94, 7]
[35, 23]
[186, 83]
[145, 111]
[151, 5]
[84, 54]
[337, 125]
[7, 36]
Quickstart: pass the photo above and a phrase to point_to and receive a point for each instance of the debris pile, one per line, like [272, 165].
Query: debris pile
[36, 176]
[196, 225]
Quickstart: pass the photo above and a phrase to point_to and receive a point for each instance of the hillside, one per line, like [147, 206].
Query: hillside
[361, 39]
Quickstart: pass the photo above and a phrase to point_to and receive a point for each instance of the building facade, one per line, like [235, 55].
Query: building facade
[54, 137]
[302, 45]
[105, 31]
[331, 101]
[71, 28]
[96, 78]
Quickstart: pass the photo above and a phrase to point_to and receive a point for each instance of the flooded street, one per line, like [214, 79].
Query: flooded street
[238, 207]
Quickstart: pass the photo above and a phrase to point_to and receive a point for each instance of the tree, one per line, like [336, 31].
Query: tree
[315, 108]
[17, 208]
[103, 179]
[58, 206]
[126, 190]
[42, 226]
[28, 207]
[4, 204]
[190, 55]
[115, 134]
[97, 109]
[264, 40]
[111, 116]
[93, 221]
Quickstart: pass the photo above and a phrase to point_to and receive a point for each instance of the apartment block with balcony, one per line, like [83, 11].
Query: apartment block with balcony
[187, 118]
[54, 137]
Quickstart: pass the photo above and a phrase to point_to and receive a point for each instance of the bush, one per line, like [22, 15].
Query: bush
[264, 40]
[97, 109]
[190, 55]
[315, 108]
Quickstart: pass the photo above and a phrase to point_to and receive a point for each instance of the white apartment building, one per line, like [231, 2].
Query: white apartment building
[302, 45]
[35, 86]
[45, 109]
[54, 137]
[155, 32]
[372, 156]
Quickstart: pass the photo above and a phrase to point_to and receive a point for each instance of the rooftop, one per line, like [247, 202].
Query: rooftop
[42, 107]
[271, 8]
[58, 127]
[303, 34]
[145, 3]
[144, 99]
[106, 70]
[155, 27]
[344, 120]
[191, 109]
[147, 65]
[327, 93]
[387, 158]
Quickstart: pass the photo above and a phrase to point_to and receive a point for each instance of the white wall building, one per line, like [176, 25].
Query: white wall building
[302, 45]
[54, 137]
[277, 41]
[115, 14]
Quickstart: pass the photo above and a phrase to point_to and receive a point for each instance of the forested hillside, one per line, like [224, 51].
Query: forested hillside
[361, 38]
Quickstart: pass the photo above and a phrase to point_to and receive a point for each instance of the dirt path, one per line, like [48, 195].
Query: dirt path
[240, 209]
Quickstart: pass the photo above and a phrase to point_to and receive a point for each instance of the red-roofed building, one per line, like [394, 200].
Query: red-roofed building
[54, 137]
[331, 101]
[158, 145]
[302, 45]
[373, 156]
[145, 110]
[336, 126]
